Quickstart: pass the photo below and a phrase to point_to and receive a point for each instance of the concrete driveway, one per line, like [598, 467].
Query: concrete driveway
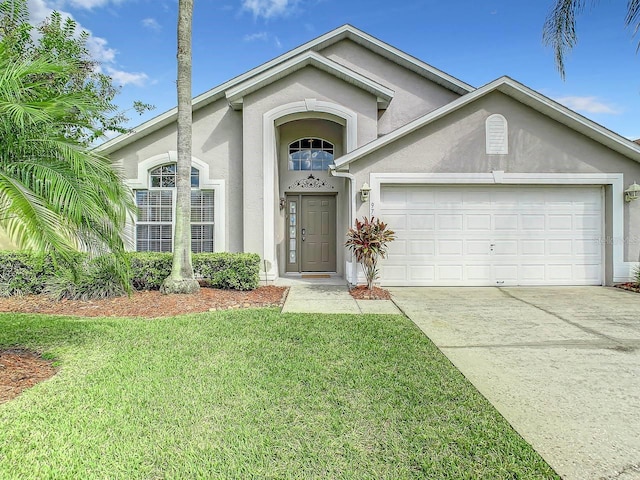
[562, 365]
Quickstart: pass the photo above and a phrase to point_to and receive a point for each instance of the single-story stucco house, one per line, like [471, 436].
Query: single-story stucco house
[497, 185]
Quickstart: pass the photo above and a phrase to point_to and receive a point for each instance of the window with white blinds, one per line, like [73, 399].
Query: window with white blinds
[156, 213]
[497, 135]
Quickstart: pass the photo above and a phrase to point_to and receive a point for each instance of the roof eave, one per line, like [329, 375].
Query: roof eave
[524, 95]
[236, 94]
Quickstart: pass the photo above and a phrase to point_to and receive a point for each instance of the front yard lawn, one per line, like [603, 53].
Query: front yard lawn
[251, 394]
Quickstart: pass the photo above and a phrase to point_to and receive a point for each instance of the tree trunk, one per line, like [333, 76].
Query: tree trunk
[181, 279]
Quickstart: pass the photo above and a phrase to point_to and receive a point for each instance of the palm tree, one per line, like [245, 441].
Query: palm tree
[559, 30]
[181, 279]
[56, 195]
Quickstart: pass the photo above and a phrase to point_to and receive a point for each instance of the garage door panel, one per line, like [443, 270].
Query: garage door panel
[506, 273]
[505, 222]
[540, 235]
[532, 247]
[505, 247]
[479, 273]
[422, 273]
[398, 220]
[533, 273]
[588, 247]
[447, 221]
[448, 199]
[450, 272]
[418, 222]
[422, 198]
[560, 247]
[587, 222]
[398, 248]
[394, 196]
[478, 222]
[531, 222]
[450, 247]
[562, 223]
[477, 247]
[422, 247]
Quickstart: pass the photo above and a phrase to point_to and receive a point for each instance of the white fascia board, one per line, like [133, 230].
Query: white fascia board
[568, 117]
[521, 93]
[319, 43]
[408, 61]
[235, 95]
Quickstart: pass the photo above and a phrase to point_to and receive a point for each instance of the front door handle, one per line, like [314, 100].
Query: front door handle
[303, 238]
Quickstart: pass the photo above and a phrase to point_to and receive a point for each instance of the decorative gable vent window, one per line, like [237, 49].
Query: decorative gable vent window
[156, 212]
[312, 154]
[497, 135]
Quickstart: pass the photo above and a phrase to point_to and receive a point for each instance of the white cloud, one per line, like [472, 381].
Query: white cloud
[90, 4]
[270, 8]
[588, 105]
[262, 36]
[123, 78]
[99, 48]
[151, 24]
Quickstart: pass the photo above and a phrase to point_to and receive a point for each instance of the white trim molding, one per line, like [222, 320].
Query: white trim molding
[307, 108]
[522, 94]
[621, 269]
[236, 94]
[206, 183]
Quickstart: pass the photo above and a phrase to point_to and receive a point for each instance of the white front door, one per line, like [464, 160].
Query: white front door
[493, 235]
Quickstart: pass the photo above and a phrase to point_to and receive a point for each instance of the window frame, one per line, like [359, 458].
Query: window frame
[300, 149]
[218, 186]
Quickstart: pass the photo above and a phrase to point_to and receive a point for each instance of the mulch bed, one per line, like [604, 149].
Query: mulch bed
[21, 369]
[150, 304]
[361, 292]
[631, 286]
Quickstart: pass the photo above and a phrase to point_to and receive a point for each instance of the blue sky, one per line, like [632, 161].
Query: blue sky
[473, 40]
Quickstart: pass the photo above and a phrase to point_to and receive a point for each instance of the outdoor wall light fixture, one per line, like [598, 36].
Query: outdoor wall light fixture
[283, 202]
[365, 189]
[632, 193]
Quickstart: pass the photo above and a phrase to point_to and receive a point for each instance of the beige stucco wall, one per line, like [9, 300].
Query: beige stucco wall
[456, 143]
[414, 94]
[303, 84]
[217, 141]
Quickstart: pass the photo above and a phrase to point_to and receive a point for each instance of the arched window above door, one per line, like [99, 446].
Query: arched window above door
[310, 154]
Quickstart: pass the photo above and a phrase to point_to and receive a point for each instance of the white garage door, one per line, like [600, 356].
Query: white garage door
[493, 235]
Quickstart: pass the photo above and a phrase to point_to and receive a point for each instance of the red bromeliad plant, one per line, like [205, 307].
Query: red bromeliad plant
[368, 242]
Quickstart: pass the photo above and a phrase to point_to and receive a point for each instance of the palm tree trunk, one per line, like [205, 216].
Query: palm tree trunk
[181, 279]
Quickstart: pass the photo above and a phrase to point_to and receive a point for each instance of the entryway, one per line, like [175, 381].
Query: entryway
[311, 233]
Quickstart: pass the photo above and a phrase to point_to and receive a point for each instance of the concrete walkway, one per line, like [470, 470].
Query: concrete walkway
[561, 364]
[323, 298]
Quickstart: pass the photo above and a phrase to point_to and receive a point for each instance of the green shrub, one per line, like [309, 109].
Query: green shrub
[149, 269]
[23, 273]
[95, 278]
[236, 271]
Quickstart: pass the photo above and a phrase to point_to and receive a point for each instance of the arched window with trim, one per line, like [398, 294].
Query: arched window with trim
[497, 135]
[156, 212]
[310, 154]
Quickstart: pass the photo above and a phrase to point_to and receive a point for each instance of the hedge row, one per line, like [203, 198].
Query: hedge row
[24, 273]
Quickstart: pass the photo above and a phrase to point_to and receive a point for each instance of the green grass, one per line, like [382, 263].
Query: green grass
[250, 395]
